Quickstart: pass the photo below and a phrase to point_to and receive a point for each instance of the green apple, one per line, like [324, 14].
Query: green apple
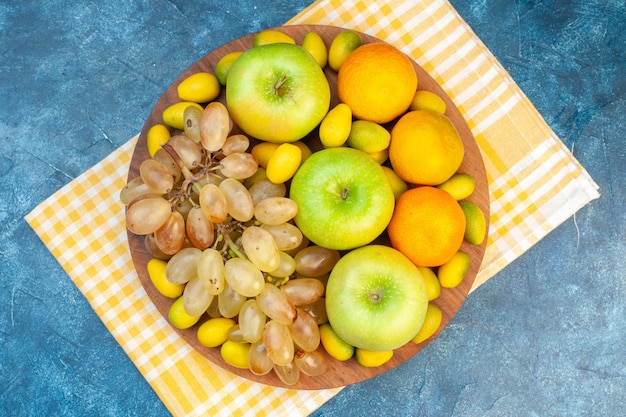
[376, 298]
[277, 92]
[344, 198]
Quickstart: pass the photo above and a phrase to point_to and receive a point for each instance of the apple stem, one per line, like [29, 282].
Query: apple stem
[278, 87]
[344, 193]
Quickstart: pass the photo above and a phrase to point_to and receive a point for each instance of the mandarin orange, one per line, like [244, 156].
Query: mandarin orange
[377, 81]
[427, 226]
[425, 148]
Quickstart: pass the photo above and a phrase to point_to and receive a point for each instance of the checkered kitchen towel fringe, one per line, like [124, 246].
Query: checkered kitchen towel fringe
[534, 186]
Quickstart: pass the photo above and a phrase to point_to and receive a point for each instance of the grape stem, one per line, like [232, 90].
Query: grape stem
[190, 181]
[233, 247]
[189, 177]
[229, 248]
[177, 159]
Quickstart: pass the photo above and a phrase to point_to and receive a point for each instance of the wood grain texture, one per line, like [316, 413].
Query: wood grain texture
[450, 300]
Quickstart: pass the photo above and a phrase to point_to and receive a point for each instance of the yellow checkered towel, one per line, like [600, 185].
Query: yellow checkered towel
[535, 184]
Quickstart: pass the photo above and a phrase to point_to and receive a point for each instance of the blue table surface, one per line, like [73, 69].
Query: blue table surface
[544, 337]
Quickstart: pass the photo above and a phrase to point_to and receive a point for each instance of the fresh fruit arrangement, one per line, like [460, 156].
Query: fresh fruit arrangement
[306, 202]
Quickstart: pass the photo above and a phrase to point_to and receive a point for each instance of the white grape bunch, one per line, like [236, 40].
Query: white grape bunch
[204, 206]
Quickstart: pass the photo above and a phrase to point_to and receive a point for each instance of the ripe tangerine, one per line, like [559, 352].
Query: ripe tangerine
[425, 148]
[377, 81]
[427, 226]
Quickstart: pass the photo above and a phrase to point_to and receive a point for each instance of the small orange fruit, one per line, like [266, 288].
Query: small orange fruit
[451, 273]
[377, 81]
[427, 100]
[432, 321]
[476, 224]
[200, 87]
[427, 226]
[425, 148]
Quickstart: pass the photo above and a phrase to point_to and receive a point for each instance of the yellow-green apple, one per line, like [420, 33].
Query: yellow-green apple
[376, 298]
[277, 92]
[344, 198]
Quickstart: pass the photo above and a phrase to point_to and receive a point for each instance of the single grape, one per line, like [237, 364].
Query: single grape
[288, 373]
[252, 321]
[213, 311]
[215, 125]
[235, 334]
[189, 151]
[303, 291]
[243, 277]
[156, 176]
[213, 203]
[146, 215]
[133, 189]
[259, 175]
[145, 196]
[235, 143]
[315, 261]
[191, 121]
[312, 363]
[264, 188]
[230, 302]
[303, 244]
[276, 305]
[275, 210]
[153, 249]
[164, 158]
[317, 310]
[239, 165]
[199, 228]
[286, 235]
[238, 199]
[278, 342]
[210, 270]
[171, 235]
[196, 299]
[305, 331]
[260, 248]
[286, 267]
[259, 361]
[183, 266]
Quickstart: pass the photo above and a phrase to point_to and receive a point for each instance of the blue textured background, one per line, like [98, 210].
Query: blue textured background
[545, 337]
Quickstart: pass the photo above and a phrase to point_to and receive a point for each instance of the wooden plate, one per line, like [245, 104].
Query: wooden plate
[338, 373]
